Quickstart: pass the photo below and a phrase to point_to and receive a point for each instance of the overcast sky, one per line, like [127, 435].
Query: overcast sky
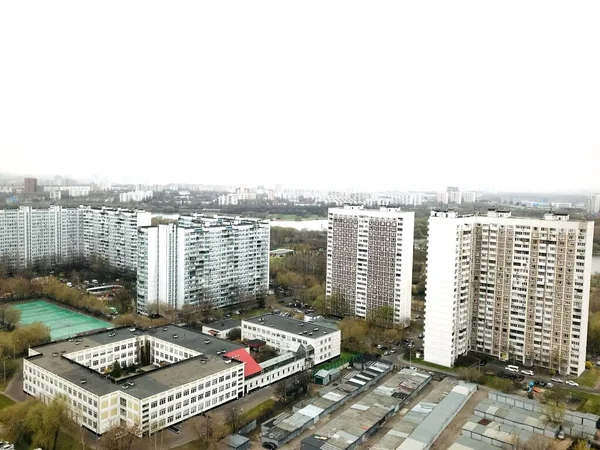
[323, 94]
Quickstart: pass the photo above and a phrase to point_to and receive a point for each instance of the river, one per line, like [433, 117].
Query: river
[310, 225]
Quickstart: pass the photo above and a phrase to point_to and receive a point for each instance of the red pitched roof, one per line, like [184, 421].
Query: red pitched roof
[251, 367]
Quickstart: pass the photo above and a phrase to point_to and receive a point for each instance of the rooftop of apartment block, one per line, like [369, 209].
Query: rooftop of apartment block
[360, 210]
[501, 213]
[216, 221]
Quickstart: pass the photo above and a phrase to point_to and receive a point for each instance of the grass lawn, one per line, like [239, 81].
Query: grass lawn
[252, 313]
[68, 442]
[589, 378]
[5, 401]
[254, 413]
[435, 366]
[65, 442]
[194, 445]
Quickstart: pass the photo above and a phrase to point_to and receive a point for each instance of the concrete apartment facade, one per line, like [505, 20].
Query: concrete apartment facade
[112, 234]
[369, 261]
[184, 375]
[31, 237]
[216, 259]
[513, 288]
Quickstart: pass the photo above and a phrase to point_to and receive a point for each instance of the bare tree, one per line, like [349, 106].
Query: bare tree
[281, 390]
[233, 418]
[210, 429]
[120, 437]
[303, 380]
[555, 401]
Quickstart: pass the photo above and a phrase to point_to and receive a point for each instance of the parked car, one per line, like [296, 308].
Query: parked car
[548, 385]
[482, 362]
[571, 383]
[527, 372]
[557, 380]
[512, 368]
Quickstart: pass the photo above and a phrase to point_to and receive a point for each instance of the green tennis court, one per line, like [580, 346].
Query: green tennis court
[62, 322]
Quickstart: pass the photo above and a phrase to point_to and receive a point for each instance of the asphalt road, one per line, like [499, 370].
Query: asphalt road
[495, 368]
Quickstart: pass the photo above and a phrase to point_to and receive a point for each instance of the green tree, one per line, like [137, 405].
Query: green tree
[235, 334]
[320, 304]
[355, 335]
[116, 371]
[382, 316]
[470, 374]
[13, 419]
[393, 334]
[12, 316]
[123, 300]
[45, 421]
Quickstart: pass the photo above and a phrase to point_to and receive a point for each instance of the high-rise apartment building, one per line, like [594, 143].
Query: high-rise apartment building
[31, 237]
[202, 259]
[111, 234]
[593, 204]
[514, 288]
[369, 261]
[30, 186]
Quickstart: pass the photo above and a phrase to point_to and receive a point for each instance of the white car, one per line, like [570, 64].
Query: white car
[527, 372]
[512, 368]
[571, 383]
[549, 385]
[557, 380]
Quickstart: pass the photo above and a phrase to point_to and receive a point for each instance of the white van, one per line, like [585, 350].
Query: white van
[512, 368]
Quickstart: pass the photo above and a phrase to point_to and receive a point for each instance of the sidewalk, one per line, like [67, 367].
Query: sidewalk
[14, 388]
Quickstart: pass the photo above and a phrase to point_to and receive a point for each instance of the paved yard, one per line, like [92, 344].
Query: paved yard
[452, 431]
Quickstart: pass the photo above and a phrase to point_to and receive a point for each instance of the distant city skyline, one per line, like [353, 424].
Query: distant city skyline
[96, 179]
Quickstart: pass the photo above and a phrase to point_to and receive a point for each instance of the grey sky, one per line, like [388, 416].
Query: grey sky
[370, 95]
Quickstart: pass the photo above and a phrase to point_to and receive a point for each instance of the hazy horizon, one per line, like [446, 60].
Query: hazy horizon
[322, 95]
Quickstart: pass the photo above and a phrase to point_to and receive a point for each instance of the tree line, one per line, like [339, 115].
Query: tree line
[594, 317]
[21, 288]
